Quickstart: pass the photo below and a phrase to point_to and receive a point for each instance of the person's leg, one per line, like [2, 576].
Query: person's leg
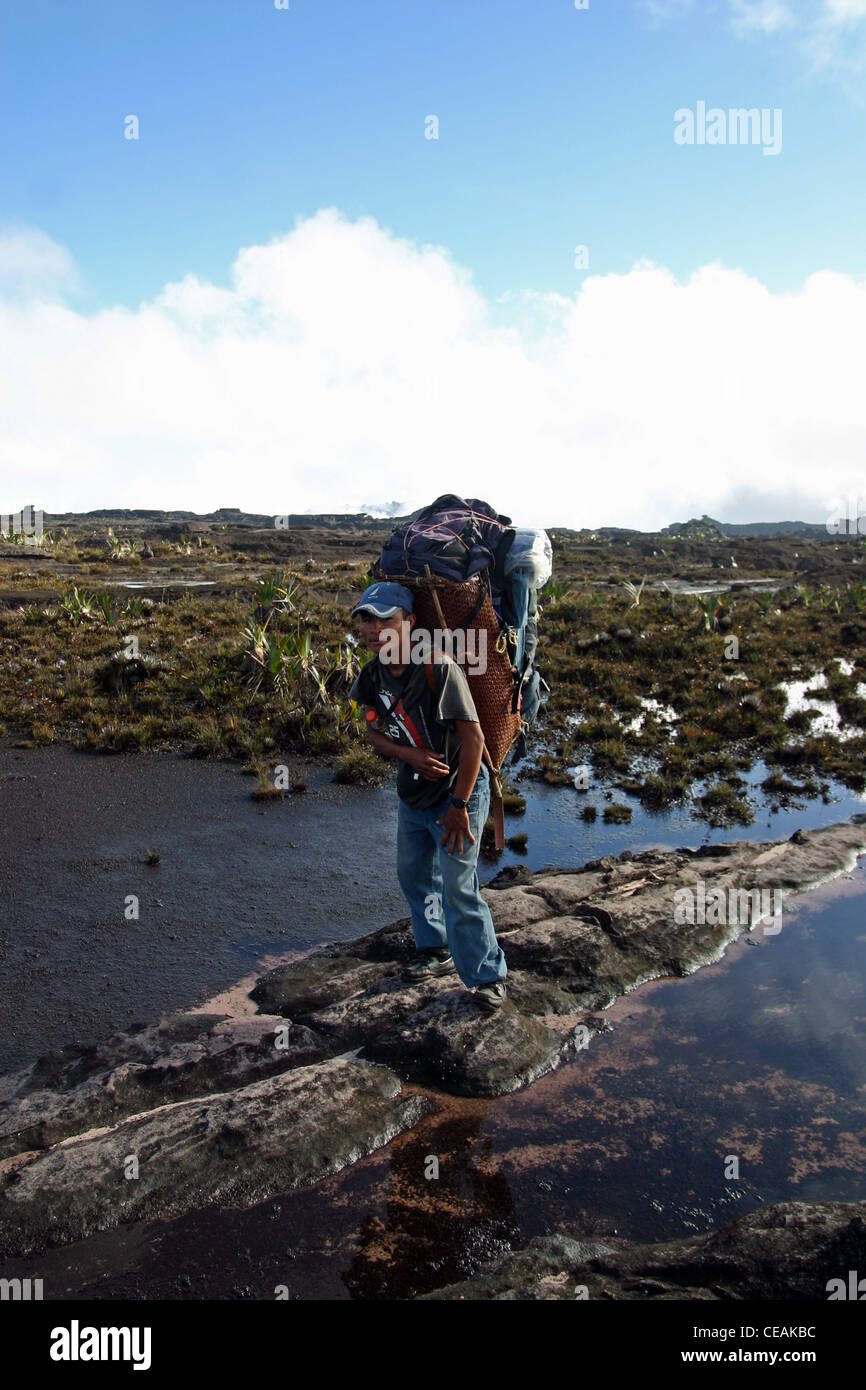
[477, 954]
[419, 876]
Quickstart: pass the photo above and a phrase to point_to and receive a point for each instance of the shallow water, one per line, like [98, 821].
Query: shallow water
[558, 835]
[759, 1058]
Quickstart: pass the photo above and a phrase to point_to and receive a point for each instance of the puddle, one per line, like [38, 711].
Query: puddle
[726, 586]
[828, 719]
[159, 583]
[735, 1087]
[665, 714]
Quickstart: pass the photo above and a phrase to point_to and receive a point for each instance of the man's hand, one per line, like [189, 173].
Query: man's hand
[456, 823]
[425, 761]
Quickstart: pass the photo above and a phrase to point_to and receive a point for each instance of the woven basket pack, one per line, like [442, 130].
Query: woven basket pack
[491, 691]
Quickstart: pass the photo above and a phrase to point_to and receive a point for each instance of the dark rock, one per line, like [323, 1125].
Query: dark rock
[352, 1021]
[236, 1148]
[541, 1271]
[509, 876]
[512, 908]
[315, 982]
[788, 1251]
[74, 1089]
[577, 955]
[452, 1042]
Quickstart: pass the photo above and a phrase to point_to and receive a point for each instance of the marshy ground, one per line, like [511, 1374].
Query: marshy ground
[676, 662]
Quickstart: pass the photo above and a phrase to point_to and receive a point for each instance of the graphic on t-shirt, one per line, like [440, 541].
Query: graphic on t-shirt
[400, 720]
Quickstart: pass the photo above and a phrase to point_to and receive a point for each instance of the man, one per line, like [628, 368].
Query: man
[441, 781]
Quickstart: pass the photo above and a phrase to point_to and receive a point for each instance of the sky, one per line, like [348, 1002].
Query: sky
[319, 255]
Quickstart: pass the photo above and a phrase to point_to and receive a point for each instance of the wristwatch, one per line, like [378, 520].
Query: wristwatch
[461, 805]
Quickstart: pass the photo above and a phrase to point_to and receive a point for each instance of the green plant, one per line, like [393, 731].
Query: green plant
[634, 592]
[104, 605]
[273, 595]
[716, 610]
[553, 590]
[77, 606]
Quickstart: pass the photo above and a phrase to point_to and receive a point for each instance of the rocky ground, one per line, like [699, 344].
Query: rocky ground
[788, 1251]
[209, 1110]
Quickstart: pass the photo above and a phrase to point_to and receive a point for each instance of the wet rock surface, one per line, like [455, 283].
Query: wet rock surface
[76, 1088]
[446, 1043]
[235, 1149]
[791, 1250]
[574, 941]
[228, 1110]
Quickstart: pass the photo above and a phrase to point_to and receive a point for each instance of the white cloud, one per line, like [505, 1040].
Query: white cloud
[761, 16]
[344, 364]
[830, 33]
[33, 266]
[660, 11]
[844, 12]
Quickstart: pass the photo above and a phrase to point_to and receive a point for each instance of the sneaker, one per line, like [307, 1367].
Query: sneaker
[491, 996]
[436, 961]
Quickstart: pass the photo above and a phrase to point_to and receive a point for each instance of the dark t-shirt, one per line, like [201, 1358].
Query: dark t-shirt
[410, 713]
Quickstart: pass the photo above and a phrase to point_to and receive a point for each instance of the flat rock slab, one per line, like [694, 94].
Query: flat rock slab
[451, 1043]
[792, 1250]
[75, 1089]
[358, 1019]
[334, 972]
[232, 1149]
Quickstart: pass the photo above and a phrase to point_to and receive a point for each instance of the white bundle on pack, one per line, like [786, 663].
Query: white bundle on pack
[531, 552]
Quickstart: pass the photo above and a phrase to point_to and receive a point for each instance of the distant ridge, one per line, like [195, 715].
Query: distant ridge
[697, 528]
[809, 530]
[336, 521]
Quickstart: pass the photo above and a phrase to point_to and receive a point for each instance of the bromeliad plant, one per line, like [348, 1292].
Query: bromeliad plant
[273, 595]
[118, 549]
[716, 610]
[102, 607]
[856, 595]
[634, 591]
[78, 606]
[286, 663]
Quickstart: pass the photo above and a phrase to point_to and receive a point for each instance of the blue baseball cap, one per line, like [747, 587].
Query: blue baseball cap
[384, 600]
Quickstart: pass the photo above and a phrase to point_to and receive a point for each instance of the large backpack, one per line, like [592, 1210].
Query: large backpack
[469, 570]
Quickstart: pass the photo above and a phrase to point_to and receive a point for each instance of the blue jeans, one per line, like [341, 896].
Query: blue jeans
[442, 889]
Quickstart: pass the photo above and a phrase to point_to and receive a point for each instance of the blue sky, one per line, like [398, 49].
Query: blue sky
[555, 130]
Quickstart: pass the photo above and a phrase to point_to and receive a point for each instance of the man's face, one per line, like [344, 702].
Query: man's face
[395, 631]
